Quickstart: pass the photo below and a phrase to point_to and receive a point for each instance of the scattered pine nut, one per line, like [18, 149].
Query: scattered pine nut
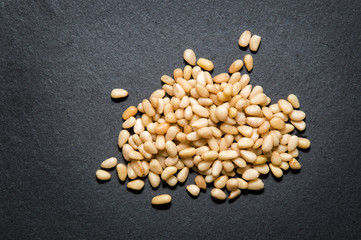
[254, 43]
[119, 93]
[109, 163]
[103, 175]
[244, 39]
[161, 199]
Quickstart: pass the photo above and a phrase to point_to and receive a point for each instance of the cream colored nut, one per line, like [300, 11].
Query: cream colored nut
[161, 199]
[103, 175]
[109, 163]
[205, 64]
[277, 123]
[200, 182]
[187, 72]
[301, 126]
[227, 155]
[242, 184]
[254, 121]
[155, 166]
[216, 168]
[148, 108]
[258, 99]
[285, 106]
[250, 174]
[256, 184]
[210, 156]
[168, 172]
[131, 174]
[205, 132]
[292, 143]
[221, 181]
[154, 179]
[134, 155]
[294, 164]
[218, 194]
[188, 152]
[236, 66]
[190, 57]
[232, 184]
[285, 157]
[254, 43]
[171, 148]
[267, 144]
[262, 168]
[234, 194]
[172, 181]
[183, 175]
[136, 184]
[244, 39]
[245, 142]
[162, 128]
[122, 172]
[293, 100]
[220, 78]
[248, 156]
[297, 115]
[276, 171]
[123, 138]
[177, 73]
[201, 111]
[129, 112]
[248, 62]
[130, 122]
[276, 159]
[193, 189]
[303, 143]
[246, 131]
[284, 166]
[167, 80]
[261, 159]
[118, 93]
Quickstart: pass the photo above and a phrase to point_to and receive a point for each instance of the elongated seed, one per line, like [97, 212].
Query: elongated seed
[254, 43]
[276, 171]
[123, 138]
[189, 56]
[161, 199]
[248, 156]
[154, 179]
[248, 62]
[234, 194]
[122, 172]
[102, 175]
[193, 189]
[119, 93]
[244, 39]
[277, 123]
[236, 66]
[293, 100]
[303, 143]
[301, 125]
[294, 164]
[292, 143]
[168, 172]
[250, 174]
[183, 174]
[205, 64]
[285, 106]
[136, 184]
[218, 194]
[200, 182]
[227, 155]
[129, 112]
[232, 184]
[109, 163]
[256, 184]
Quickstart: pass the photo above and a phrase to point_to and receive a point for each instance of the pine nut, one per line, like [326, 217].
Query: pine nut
[109, 163]
[123, 138]
[254, 43]
[227, 155]
[250, 174]
[300, 126]
[136, 184]
[292, 143]
[216, 168]
[220, 182]
[294, 164]
[232, 184]
[190, 57]
[154, 179]
[187, 72]
[168, 172]
[244, 39]
[102, 175]
[161, 199]
[183, 174]
[285, 106]
[277, 123]
[293, 100]
[276, 171]
[303, 143]
[258, 99]
[129, 112]
[234, 194]
[248, 62]
[172, 181]
[193, 190]
[218, 194]
[205, 64]
[256, 184]
[235, 66]
[122, 172]
[262, 168]
[119, 93]
[248, 156]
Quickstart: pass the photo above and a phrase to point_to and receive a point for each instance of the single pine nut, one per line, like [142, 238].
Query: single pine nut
[155, 166]
[189, 56]
[122, 172]
[245, 143]
[183, 174]
[234, 194]
[248, 62]
[103, 175]
[262, 168]
[177, 73]
[285, 106]
[168, 172]
[254, 43]
[193, 190]
[261, 159]
[284, 166]
[276, 159]
[187, 72]
[232, 184]
[216, 168]
[297, 115]
[244, 39]
[292, 143]
[205, 64]
[276, 171]
[293, 100]
[277, 123]
[220, 78]
[201, 111]
[161, 199]
[303, 143]
[172, 181]
[162, 128]
[130, 122]
[258, 99]
[136, 184]
[118, 93]
[200, 182]
[301, 126]
[227, 155]
[294, 164]
[221, 181]
[123, 138]
[248, 156]
[154, 179]
[235, 66]
[256, 184]
[267, 143]
[109, 163]
[218, 194]
[129, 112]
[250, 174]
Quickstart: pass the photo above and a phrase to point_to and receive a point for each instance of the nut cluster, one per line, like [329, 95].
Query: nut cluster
[220, 127]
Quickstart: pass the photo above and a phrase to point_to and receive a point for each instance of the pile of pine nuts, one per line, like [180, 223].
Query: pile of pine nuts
[220, 127]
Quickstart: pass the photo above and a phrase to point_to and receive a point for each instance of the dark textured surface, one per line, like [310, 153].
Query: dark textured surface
[60, 59]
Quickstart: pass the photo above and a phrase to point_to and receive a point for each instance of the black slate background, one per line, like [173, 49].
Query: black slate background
[59, 60]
